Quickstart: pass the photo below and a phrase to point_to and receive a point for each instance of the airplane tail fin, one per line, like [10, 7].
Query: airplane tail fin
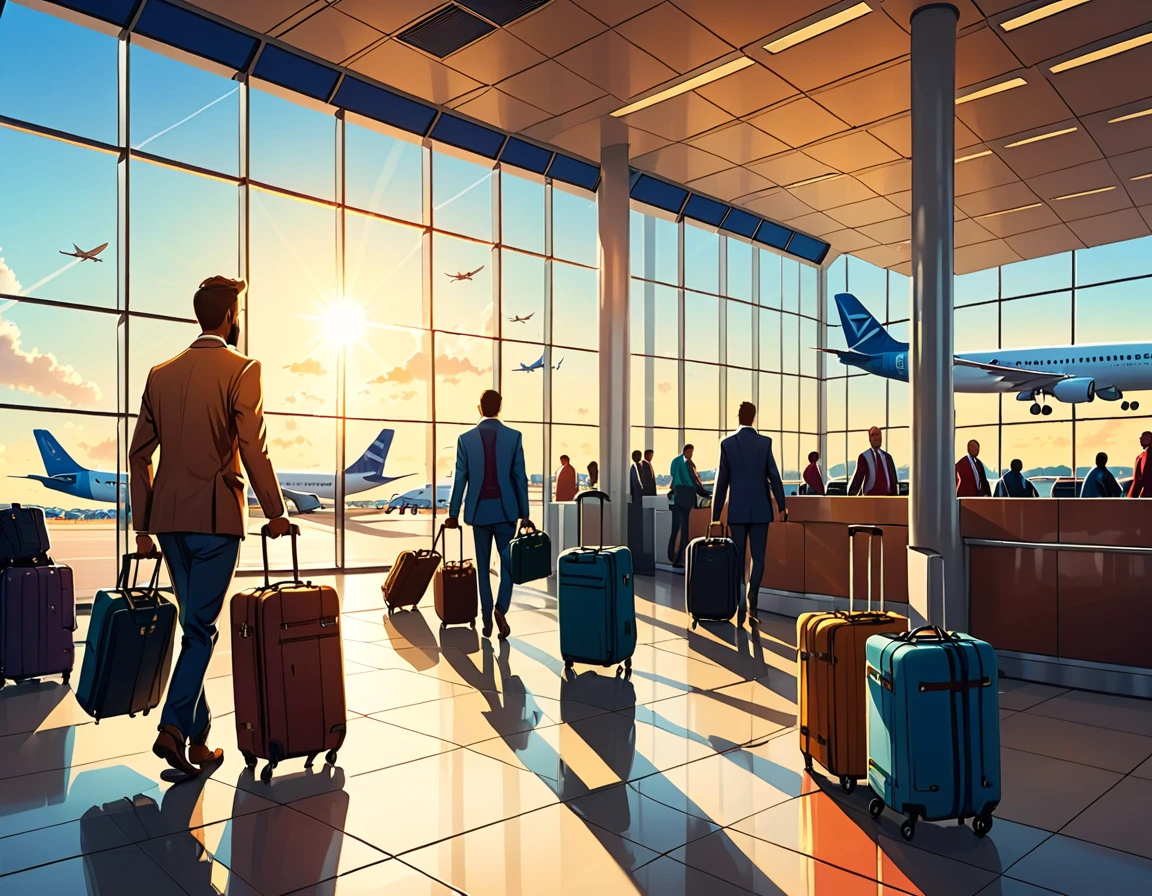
[56, 459]
[372, 461]
[863, 333]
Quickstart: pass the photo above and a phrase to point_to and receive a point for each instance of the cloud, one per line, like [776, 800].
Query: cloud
[8, 281]
[583, 412]
[40, 374]
[1061, 442]
[307, 367]
[451, 381]
[101, 451]
[381, 380]
[407, 395]
[664, 387]
[308, 396]
[291, 399]
[288, 443]
[290, 424]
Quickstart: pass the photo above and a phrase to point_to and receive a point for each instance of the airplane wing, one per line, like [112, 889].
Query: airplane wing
[475, 272]
[1017, 377]
[99, 249]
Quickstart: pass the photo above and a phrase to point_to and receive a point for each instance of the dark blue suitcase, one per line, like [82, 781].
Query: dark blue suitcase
[933, 727]
[597, 602]
[23, 536]
[713, 578]
[128, 651]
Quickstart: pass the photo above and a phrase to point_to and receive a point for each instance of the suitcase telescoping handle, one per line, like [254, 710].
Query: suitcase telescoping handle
[723, 527]
[293, 534]
[873, 532]
[603, 498]
[130, 575]
[441, 535]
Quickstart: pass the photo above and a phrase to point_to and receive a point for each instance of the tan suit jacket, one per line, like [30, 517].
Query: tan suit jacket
[204, 409]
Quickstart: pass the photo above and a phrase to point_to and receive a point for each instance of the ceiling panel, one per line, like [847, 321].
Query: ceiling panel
[1073, 28]
[1091, 206]
[1109, 82]
[1049, 154]
[791, 168]
[412, 72]
[981, 174]
[849, 240]
[747, 91]
[732, 183]
[983, 255]
[680, 163]
[888, 179]
[871, 97]
[852, 152]
[551, 87]
[332, 35]
[1089, 176]
[997, 199]
[968, 232]
[981, 55]
[1135, 164]
[1021, 221]
[831, 193]
[818, 224]
[901, 11]
[493, 58]
[674, 38]
[617, 66]
[779, 205]
[1049, 241]
[739, 143]
[502, 110]
[893, 231]
[1121, 136]
[259, 15]
[741, 23]
[389, 17]
[613, 12]
[898, 134]
[1115, 227]
[556, 27]
[882, 256]
[679, 118]
[870, 211]
[798, 122]
[1031, 106]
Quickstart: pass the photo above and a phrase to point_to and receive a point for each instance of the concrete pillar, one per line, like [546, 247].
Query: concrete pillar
[933, 509]
[612, 210]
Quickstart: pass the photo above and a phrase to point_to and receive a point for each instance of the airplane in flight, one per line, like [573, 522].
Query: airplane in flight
[457, 277]
[1073, 374]
[90, 255]
[535, 365]
[521, 320]
[305, 490]
[418, 499]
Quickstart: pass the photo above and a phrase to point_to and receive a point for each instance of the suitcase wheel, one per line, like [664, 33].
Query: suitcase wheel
[266, 772]
[847, 784]
[1, 684]
[628, 663]
[981, 825]
[249, 760]
[908, 829]
[330, 757]
[311, 758]
[876, 807]
[695, 622]
[807, 763]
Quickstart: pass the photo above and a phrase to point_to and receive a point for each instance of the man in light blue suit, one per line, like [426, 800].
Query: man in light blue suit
[491, 482]
[748, 469]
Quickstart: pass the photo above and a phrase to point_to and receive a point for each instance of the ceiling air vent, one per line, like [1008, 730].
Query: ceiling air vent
[502, 11]
[445, 32]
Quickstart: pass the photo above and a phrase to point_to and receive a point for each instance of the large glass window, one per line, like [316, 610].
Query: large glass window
[382, 173]
[292, 145]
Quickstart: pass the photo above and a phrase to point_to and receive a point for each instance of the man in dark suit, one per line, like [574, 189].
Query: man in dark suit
[971, 477]
[1014, 484]
[647, 474]
[748, 468]
[635, 478]
[490, 467]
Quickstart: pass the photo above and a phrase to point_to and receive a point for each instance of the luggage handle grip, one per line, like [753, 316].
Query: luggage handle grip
[603, 498]
[293, 534]
[872, 532]
[927, 632]
[527, 527]
[860, 529]
[723, 528]
[126, 564]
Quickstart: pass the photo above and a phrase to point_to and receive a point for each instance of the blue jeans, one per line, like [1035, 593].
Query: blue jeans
[201, 567]
[483, 536]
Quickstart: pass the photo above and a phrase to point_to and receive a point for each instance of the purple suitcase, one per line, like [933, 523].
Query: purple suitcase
[37, 619]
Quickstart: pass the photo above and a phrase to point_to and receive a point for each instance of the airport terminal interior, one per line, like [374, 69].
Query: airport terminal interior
[628, 217]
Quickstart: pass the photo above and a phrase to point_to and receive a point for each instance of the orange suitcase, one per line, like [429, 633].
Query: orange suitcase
[832, 676]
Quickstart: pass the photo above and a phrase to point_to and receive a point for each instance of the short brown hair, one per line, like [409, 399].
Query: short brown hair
[747, 413]
[490, 403]
[214, 298]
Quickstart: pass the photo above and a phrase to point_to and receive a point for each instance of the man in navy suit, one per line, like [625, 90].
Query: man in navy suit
[490, 465]
[748, 469]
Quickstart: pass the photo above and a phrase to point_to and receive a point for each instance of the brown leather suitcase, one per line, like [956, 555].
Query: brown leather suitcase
[410, 576]
[287, 669]
[832, 675]
[455, 589]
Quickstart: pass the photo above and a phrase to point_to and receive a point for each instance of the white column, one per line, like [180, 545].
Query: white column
[612, 210]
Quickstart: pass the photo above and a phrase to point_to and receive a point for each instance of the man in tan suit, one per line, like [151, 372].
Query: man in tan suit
[204, 410]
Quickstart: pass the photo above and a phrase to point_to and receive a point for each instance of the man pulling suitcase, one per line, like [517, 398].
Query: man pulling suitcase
[204, 410]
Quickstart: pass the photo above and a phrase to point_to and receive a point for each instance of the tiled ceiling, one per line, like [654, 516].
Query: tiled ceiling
[1047, 166]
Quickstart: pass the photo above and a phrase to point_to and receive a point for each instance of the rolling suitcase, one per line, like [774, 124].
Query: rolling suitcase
[454, 588]
[831, 675]
[128, 651]
[409, 577]
[287, 669]
[37, 619]
[530, 555]
[23, 536]
[597, 603]
[933, 727]
[713, 577]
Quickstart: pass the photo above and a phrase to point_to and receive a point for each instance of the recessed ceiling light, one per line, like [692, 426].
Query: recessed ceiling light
[1103, 53]
[1141, 177]
[817, 28]
[1130, 116]
[1008, 211]
[1039, 137]
[815, 180]
[1084, 193]
[991, 91]
[721, 71]
[1042, 13]
[975, 155]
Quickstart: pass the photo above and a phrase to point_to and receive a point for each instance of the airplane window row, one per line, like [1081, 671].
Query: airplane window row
[1145, 356]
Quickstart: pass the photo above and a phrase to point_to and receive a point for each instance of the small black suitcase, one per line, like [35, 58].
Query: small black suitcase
[23, 536]
[712, 578]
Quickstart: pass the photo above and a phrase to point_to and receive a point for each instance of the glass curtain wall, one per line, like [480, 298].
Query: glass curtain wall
[716, 320]
[374, 350]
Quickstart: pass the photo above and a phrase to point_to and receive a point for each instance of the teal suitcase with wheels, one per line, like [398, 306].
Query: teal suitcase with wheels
[933, 727]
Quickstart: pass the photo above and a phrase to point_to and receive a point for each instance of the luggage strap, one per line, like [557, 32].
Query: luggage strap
[293, 534]
[968, 685]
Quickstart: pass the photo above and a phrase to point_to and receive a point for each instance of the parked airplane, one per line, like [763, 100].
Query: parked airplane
[305, 490]
[457, 277]
[90, 255]
[535, 365]
[1073, 374]
[417, 499]
[521, 320]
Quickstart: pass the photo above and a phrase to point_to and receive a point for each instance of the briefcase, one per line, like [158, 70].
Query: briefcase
[530, 555]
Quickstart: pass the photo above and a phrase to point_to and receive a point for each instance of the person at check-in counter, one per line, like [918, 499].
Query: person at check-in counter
[1142, 476]
[685, 488]
[647, 474]
[1013, 484]
[813, 477]
[565, 480]
[1100, 483]
[875, 470]
[635, 480]
[971, 477]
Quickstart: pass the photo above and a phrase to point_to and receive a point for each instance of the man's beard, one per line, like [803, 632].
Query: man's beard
[233, 338]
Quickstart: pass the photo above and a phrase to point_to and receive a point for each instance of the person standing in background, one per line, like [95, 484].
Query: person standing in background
[875, 471]
[565, 480]
[635, 480]
[813, 477]
[971, 477]
[1141, 475]
[647, 474]
[683, 501]
[1013, 484]
[593, 474]
[1100, 483]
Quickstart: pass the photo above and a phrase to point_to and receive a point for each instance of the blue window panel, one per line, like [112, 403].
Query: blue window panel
[807, 248]
[773, 235]
[740, 222]
[383, 105]
[707, 210]
[118, 12]
[526, 156]
[466, 135]
[296, 73]
[658, 193]
[573, 171]
[200, 36]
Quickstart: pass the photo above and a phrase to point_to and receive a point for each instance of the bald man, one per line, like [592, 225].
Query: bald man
[875, 470]
[1142, 476]
[971, 477]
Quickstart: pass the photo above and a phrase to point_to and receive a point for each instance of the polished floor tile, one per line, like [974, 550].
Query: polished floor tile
[624, 811]
[475, 716]
[391, 876]
[1145, 770]
[1007, 886]
[124, 870]
[393, 688]
[1076, 868]
[1120, 819]
[38, 706]
[62, 841]
[1018, 695]
[668, 877]
[1102, 710]
[1047, 793]
[1117, 751]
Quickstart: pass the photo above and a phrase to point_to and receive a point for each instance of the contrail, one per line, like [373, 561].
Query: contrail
[488, 176]
[187, 118]
[27, 290]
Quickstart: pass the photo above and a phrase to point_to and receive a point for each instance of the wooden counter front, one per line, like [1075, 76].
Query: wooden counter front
[1115, 521]
[1010, 519]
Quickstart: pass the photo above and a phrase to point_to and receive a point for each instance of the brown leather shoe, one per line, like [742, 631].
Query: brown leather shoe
[169, 746]
[502, 624]
[199, 753]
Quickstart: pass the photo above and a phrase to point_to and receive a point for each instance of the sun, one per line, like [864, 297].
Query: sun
[344, 322]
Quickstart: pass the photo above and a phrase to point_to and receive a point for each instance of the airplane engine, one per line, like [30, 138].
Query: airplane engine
[1077, 390]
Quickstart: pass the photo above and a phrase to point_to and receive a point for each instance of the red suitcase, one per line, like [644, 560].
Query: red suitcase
[455, 589]
[37, 619]
[287, 669]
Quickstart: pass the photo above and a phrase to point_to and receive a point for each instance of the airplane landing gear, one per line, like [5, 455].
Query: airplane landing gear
[1129, 405]
[1035, 410]
[1038, 409]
